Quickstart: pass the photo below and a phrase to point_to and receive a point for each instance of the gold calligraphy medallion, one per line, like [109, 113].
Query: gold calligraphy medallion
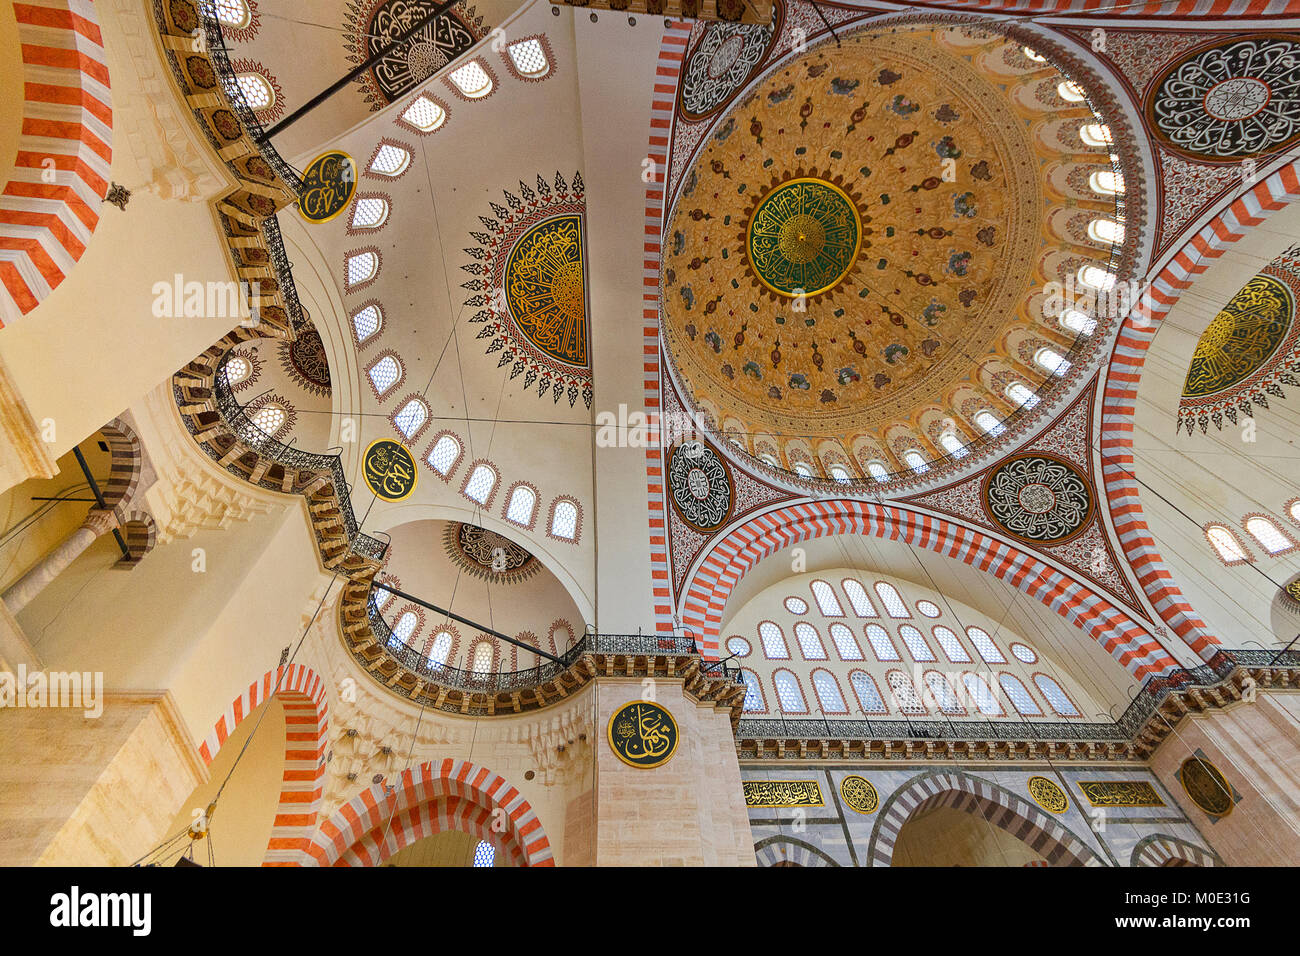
[643, 734]
[858, 794]
[328, 185]
[389, 470]
[1048, 795]
[1206, 786]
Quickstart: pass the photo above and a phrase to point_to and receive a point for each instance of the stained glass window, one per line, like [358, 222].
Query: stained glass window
[362, 268]
[385, 373]
[485, 854]
[564, 523]
[952, 647]
[738, 646]
[916, 645]
[445, 453]
[1023, 653]
[411, 418]
[369, 213]
[481, 660]
[367, 322]
[753, 691]
[796, 605]
[481, 482]
[440, 648]
[405, 626]
[258, 93]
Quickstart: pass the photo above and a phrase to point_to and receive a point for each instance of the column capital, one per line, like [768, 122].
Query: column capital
[100, 522]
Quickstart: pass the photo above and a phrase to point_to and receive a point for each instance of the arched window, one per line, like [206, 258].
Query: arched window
[928, 608]
[881, 645]
[774, 646]
[913, 459]
[367, 322]
[1095, 134]
[522, 506]
[1226, 545]
[1295, 511]
[988, 423]
[1061, 703]
[265, 422]
[803, 469]
[1023, 653]
[916, 645]
[405, 627]
[479, 484]
[411, 418]
[564, 520]
[827, 602]
[481, 658]
[1095, 277]
[440, 649]
[485, 854]
[1019, 393]
[1052, 361]
[739, 646]
[444, 455]
[370, 212]
[846, 645]
[529, 58]
[1071, 92]
[425, 114]
[753, 692]
[1078, 322]
[840, 474]
[257, 91]
[1106, 182]
[234, 13]
[953, 445]
[361, 268]
[237, 368]
[770, 460]
[945, 697]
[390, 161]
[984, 644]
[1106, 230]
[1269, 535]
[878, 471]
[472, 80]
[868, 693]
[1019, 696]
[788, 693]
[893, 601]
[979, 692]
[905, 695]
[952, 648]
[862, 605]
[796, 605]
[384, 374]
[828, 693]
[810, 642]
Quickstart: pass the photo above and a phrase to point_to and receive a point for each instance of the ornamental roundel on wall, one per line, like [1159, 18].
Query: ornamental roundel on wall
[530, 287]
[375, 26]
[305, 361]
[1231, 101]
[725, 59]
[700, 485]
[1048, 795]
[487, 555]
[1038, 498]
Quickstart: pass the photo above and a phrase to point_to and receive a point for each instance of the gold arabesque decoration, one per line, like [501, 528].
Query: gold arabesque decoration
[1048, 795]
[858, 794]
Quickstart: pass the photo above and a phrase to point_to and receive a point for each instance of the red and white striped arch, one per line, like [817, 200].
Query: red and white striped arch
[434, 798]
[1112, 10]
[302, 694]
[50, 206]
[734, 555]
[1119, 396]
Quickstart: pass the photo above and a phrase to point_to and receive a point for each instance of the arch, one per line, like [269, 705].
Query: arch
[1161, 849]
[730, 557]
[306, 711]
[67, 117]
[432, 798]
[961, 791]
[1119, 397]
[787, 850]
[126, 463]
[140, 532]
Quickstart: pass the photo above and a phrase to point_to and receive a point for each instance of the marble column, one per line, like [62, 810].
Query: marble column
[25, 589]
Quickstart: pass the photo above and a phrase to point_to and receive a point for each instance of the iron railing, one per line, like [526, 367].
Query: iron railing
[1125, 729]
[246, 430]
[420, 664]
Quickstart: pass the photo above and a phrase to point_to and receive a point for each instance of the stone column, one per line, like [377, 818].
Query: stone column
[23, 454]
[25, 589]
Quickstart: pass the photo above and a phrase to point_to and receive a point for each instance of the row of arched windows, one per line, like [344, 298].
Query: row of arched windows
[772, 639]
[1268, 533]
[972, 695]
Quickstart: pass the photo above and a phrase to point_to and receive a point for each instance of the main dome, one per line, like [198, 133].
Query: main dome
[864, 241]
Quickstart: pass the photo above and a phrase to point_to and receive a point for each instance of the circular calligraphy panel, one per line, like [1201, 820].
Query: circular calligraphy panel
[1206, 786]
[700, 485]
[858, 794]
[1039, 498]
[804, 237]
[643, 734]
[1048, 795]
[389, 470]
[328, 185]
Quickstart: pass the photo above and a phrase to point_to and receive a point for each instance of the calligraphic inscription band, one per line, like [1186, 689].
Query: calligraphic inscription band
[1120, 793]
[389, 470]
[643, 734]
[328, 185]
[783, 793]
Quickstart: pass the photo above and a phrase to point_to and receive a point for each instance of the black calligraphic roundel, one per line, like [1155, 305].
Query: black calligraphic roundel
[389, 470]
[328, 185]
[643, 734]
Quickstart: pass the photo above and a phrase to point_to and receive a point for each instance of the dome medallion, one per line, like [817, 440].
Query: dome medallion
[803, 237]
